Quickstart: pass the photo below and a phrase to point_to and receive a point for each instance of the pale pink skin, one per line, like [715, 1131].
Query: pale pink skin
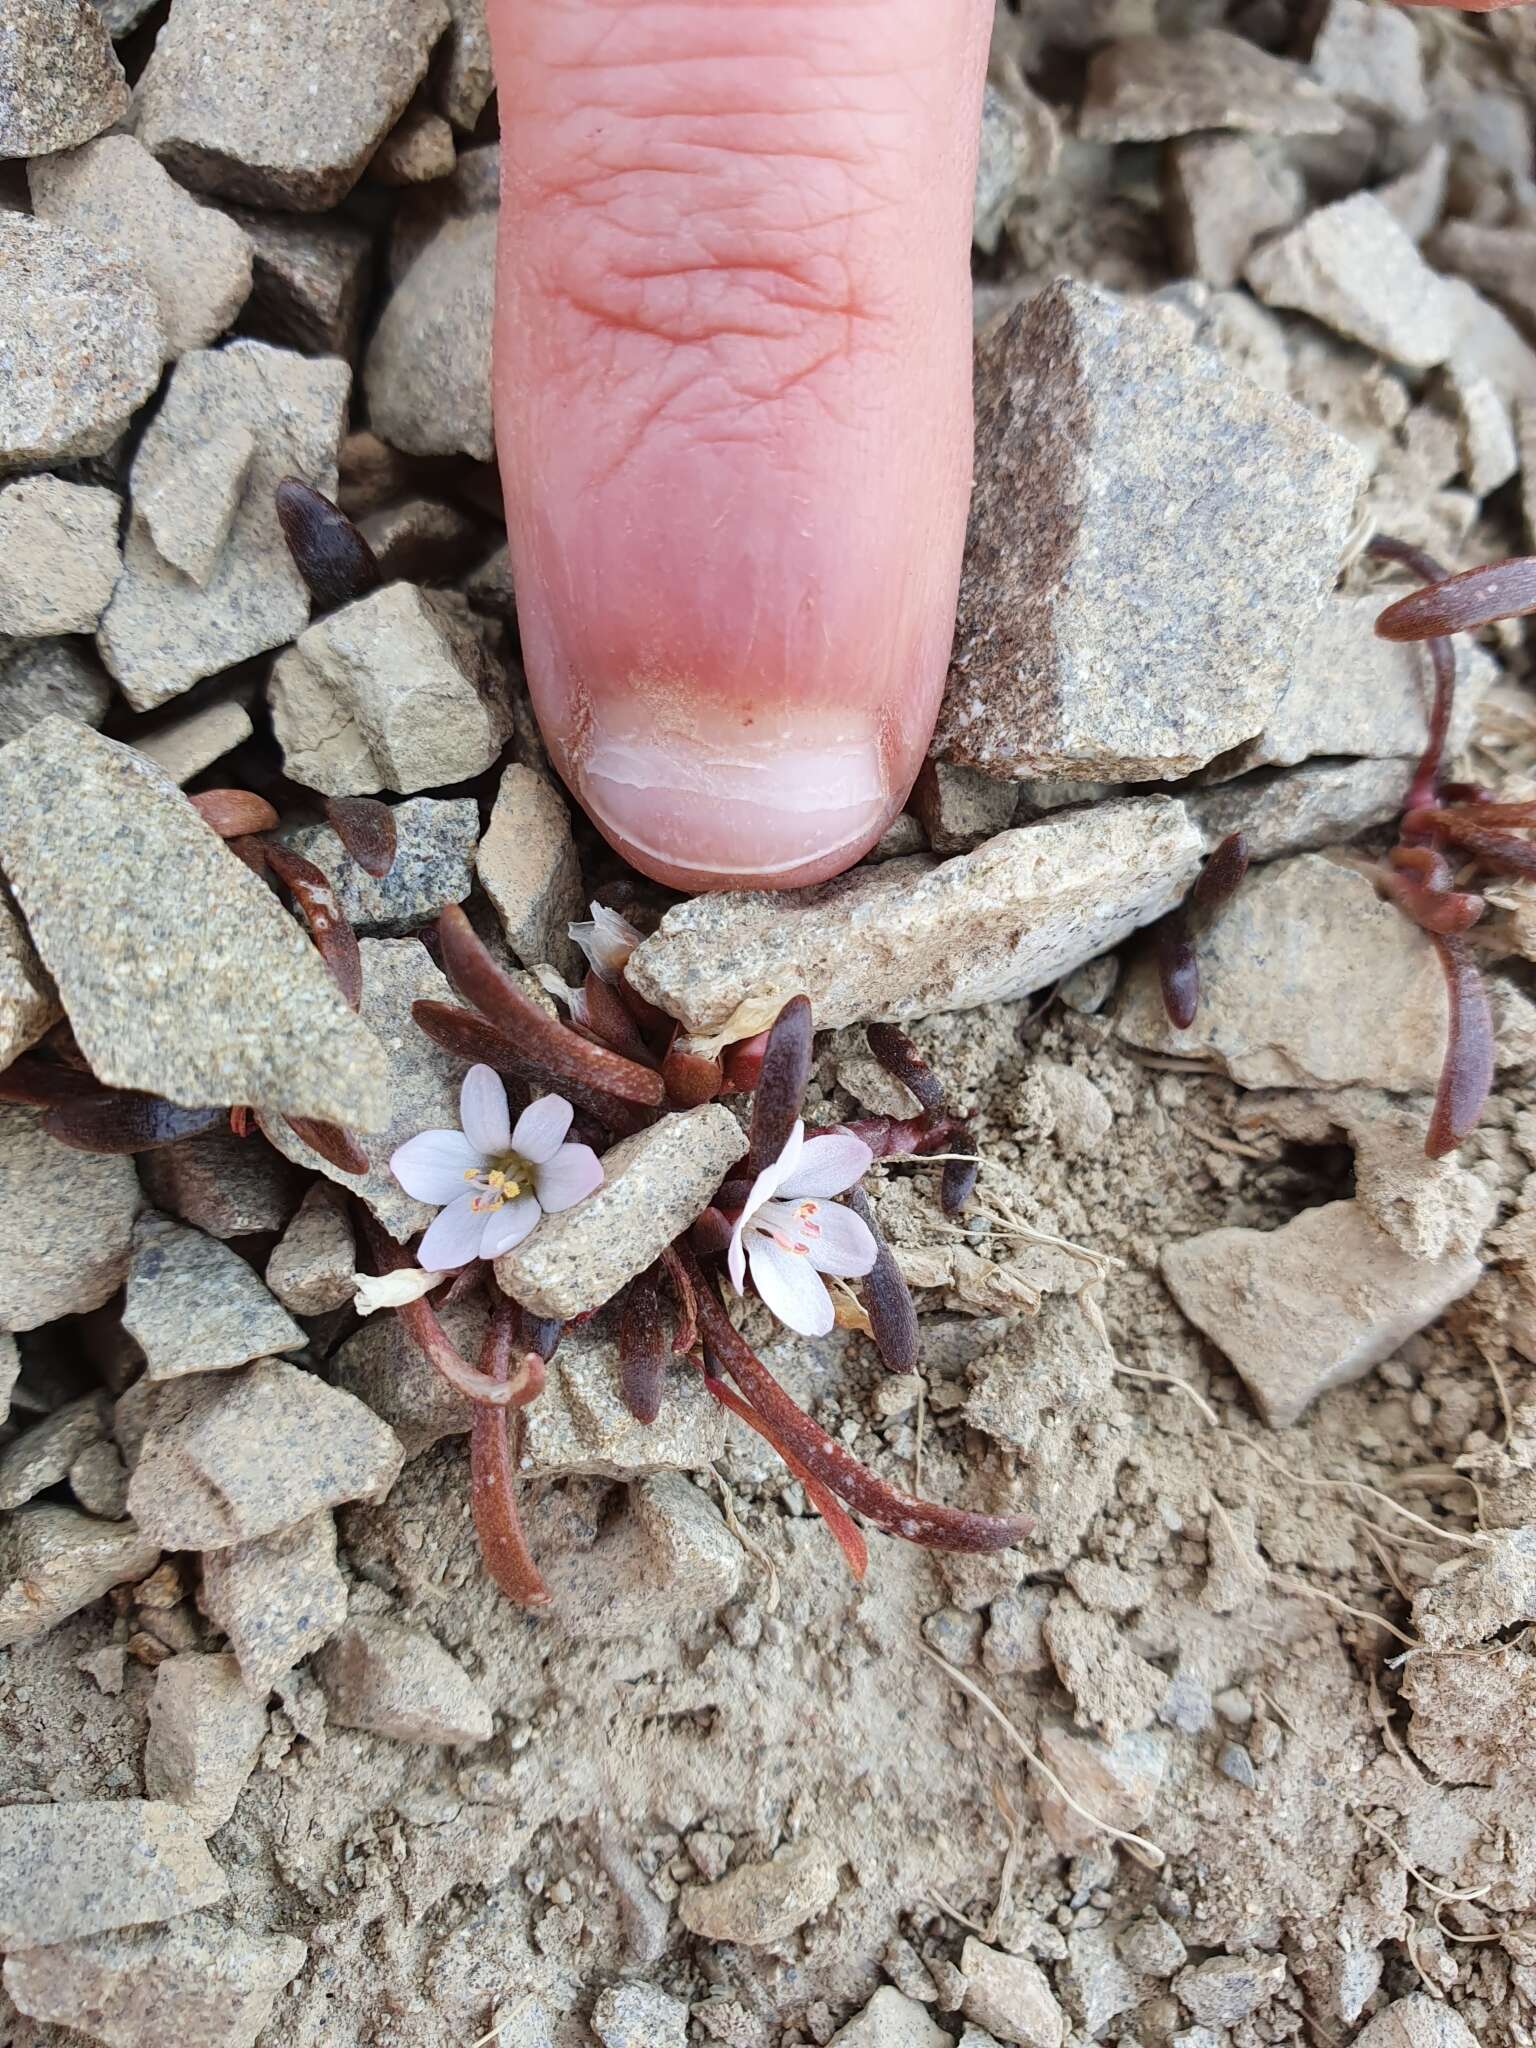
[733, 408]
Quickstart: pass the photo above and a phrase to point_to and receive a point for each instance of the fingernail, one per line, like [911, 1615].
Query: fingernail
[758, 798]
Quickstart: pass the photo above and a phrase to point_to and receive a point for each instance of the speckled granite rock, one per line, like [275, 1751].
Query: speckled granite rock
[427, 373]
[195, 1306]
[54, 1561]
[60, 81]
[28, 1005]
[49, 679]
[58, 555]
[66, 1219]
[434, 846]
[1147, 88]
[528, 867]
[81, 1866]
[277, 1598]
[237, 1006]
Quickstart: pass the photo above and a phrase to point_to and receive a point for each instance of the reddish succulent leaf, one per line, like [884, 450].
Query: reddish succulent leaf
[686, 1337]
[334, 938]
[1489, 847]
[901, 1058]
[891, 1137]
[1219, 878]
[44, 1082]
[469, 1036]
[126, 1121]
[850, 1538]
[1467, 1073]
[234, 812]
[1178, 973]
[609, 1019]
[643, 1349]
[919, 1521]
[241, 1120]
[252, 849]
[1419, 883]
[709, 1233]
[328, 550]
[333, 1143]
[781, 1082]
[492, 1474]
[1479, 810]
[366, 828]
[1460, 604]
[537, 1036]
[691, 1078]
[886, 1297]
[743, 1063]
[957, 1183]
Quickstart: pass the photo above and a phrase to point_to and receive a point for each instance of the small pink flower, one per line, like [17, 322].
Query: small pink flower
[492, 1180]
[790, 1236]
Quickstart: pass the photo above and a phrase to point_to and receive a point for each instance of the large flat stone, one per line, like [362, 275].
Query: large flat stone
[1131, 598]
[58, 555]
[180, 971]
[1354, 268]
[86, 1865]
[1146, 88]
[207, 579]
[434, 847]
[277, 1597]
[580, 1425]
[912, 937]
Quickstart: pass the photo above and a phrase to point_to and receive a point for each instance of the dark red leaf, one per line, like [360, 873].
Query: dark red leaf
[957, 1183]
[1219, 878]
[1460, 604]
[686, 1337]
[611, 1021]
[901, 1058]
[1467, 1072]
[781, 1083]
[421, 1324]
[333, 1143]
[330, 554]
[1178, 973]
[234, 812]
[537, 1036]
[469, 1036]
[743, 1063]
[1489, 847]
[886, 1297]
[366, 828]
[691, 1078]
[334, 938]
[849, 1537]
[126, 1121]
[44, 1082]
[643, 1349]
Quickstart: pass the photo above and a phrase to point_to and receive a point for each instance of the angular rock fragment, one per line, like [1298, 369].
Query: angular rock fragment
[958, 808]
[1147, 88]
[1117, 1782]
[60, 81]
[434, 845]
[1307, 978]
[197, 1982]
[1479, 1595]
[1417, 2021]
[654, 1185]
[1351, 266]
[84, 1866]
[203, 589]
[1114, 1690]
[277, 1598]
[195, 1306]
[1311, 1306]
[1474, 1710]
[66, 1219]
[421, 540]
[580, 1423]
[221, 1184]
[1130, 597]
[1225, 1989]
[394, 691]
[275, 139]
[1500, 261]
[10, 1371]
[54, 1561]
[1019, 146]
[1301, 810]
[891, 2020]
[474, 187]
[427, 373]
[83, 343]
[309, 281]
[49, 679]
[914, 936]
[186, 746]
[41, 1456]
[1010, 1997]
[640, 2016]
[388, 1373]
[763, 1903]
[196, 260]
[28, 1006]
[528, 867]
[1371, 60]
[1416, 198]
[311, 1267]
[1224, 194]
[393, 1680]
[204, 1732]
[58, 555]
[180, 971]
[231, 1456]
[423, 1082]
[98, 1479]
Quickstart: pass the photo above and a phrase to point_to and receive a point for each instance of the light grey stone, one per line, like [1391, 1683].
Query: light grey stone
[66, 1219]
[1224, 192]
[226, 1001]
[528, 867]
[1417, 2021]
[462, 78]
[232, 1456]
[224, 1185]
[393, 691]
[28, 1006]
[416, 151]
[195, 1306]
[54, 1561]
[891, 2020]
[388, 1373]
[196, 260]
[1371, 60]
[49, 679]
[1113, 1688]
[98, 1479]
[639, 2016]
[760, 1904]
[10, 1371]
[204, 1733]
[1351, 266]
[1226, 1989]
[60, 80]
[1416, 198]
[1129, 603]
[912, 937]
[277, 1598]
[1476, 1596]
[581, 1425]
[233, 422]
[427, 373]
[1146, 88]
[1010, 1997]
[434, 846]
[309, 281]
[1301, 810]
[1499, 261]
[83, 342]
[186, 746]
[43, 1454]
[232, 100]
[84, 1866]
[654, 1185]
[58, 555]
[311, 1267]
[390, 1679]
[198, 1982]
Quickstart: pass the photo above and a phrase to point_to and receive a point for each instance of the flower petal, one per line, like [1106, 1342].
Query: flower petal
[483, 1110]
[769, 1181]
[574, 1173]
[541, 1128]
[828, 1165]
[736, 1255]
[841, 1242]
[607, 940]
[508, 1226]
[431, 1167]
[454, 1237]
[790, 1286]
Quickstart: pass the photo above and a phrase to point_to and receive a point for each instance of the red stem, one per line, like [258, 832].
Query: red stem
[850, 1539]
[1467, 1072]
[492, 1475]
